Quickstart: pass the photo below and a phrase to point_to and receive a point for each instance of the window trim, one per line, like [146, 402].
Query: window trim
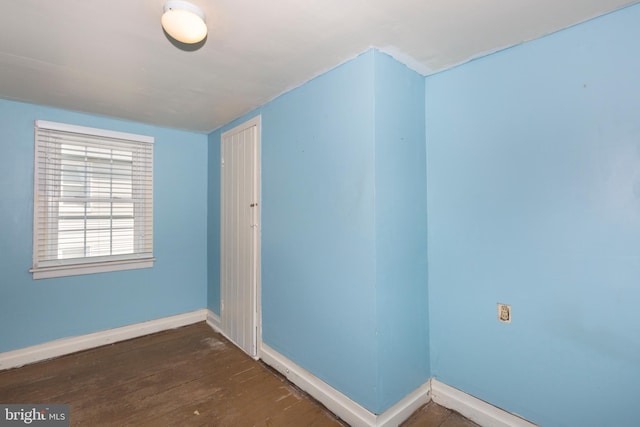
[90, 268]
[43, 269]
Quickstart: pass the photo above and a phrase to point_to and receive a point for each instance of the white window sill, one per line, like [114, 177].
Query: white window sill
[90, 268]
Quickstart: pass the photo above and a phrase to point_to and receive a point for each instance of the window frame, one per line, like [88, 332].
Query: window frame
[141, 193]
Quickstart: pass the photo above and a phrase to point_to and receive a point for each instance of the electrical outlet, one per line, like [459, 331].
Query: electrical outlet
[504, 313]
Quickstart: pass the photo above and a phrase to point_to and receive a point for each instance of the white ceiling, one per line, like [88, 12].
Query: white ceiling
[112, 58]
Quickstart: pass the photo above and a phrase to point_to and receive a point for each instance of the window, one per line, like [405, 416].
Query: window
[93, 201]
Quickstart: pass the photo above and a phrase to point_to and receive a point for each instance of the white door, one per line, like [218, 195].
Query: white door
[240, 235]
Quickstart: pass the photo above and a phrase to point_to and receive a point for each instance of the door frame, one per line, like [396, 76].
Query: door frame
[257, 313]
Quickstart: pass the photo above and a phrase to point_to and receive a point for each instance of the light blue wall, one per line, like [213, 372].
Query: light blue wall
[401, 230]
[318, 248]
[37, 311]
[330, 303]
[213, 222]
[318, 228]
[533, 164]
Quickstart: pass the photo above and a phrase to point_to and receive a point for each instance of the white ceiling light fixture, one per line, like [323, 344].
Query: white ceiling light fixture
[184, 21]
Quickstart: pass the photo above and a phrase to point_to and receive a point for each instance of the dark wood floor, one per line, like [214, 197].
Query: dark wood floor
[189, 376]
[433, 415]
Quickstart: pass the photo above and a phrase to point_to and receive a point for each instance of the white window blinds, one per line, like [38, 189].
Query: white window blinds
[93, 200]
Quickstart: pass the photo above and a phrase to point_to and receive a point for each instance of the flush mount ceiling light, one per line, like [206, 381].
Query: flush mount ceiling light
[184, 21]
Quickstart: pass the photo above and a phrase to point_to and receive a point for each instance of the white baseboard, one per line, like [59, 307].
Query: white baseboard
[37, 353]
[335, 401]
[473, 408]
[402, 410]
[341, 405]
[213, 320]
